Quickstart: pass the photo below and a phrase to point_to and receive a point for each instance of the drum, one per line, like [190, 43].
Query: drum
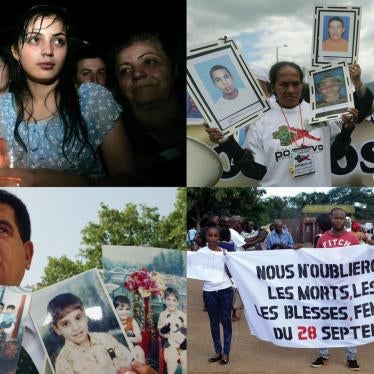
[204, 167]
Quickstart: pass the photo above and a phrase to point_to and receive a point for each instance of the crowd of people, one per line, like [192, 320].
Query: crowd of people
[239, 234]
[221, 234]
[77, 114]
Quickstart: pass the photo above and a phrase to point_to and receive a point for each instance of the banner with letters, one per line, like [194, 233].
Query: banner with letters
[307, 298]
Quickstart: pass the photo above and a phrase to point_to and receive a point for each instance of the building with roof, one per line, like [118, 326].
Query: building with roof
[305, 228]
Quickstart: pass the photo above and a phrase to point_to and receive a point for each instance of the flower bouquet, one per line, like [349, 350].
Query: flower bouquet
[144, 285]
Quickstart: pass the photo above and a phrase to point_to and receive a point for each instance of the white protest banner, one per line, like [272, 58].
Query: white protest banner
[310, 298]
[205, 266]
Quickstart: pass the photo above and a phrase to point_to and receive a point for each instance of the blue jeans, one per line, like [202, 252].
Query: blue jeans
[350, 352]
[219, 306]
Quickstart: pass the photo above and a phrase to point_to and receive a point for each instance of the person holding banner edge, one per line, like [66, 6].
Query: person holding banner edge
[218, 299]
[337, 236]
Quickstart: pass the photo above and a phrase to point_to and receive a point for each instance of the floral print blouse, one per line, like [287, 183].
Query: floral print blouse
[44, 138]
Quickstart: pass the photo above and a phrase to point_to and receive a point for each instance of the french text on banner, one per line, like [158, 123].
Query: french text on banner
[310, 298]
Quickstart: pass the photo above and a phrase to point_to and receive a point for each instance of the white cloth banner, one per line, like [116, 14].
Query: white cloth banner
[205, 266]
[309, 298]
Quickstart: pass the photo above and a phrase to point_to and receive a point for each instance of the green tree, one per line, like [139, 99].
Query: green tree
[134, 225]
[172, 229]
[59, 269]
[275, 207]
[245, 202]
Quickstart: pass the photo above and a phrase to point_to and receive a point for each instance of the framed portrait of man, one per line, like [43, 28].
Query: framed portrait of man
[223, 87]
[331, 92]
[336, 34]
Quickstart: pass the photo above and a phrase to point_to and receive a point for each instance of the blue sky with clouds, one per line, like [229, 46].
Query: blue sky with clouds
[260, 26]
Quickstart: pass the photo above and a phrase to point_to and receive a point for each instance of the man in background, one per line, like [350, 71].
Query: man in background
[90, 67]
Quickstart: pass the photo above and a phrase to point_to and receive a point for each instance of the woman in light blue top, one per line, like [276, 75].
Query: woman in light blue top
[59, 136]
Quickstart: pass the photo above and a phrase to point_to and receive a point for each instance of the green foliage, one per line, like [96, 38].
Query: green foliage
[59, 269]
[245, 202]
[290, 207]
[134, 225]
[172, 229]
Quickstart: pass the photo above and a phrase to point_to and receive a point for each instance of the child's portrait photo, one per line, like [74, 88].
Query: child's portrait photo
[330, 91]
[148, 289]
[336, 34]
[14, 307]
[223, 86]
[79, 328]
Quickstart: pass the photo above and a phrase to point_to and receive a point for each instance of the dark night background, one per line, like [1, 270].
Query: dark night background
[107, 22]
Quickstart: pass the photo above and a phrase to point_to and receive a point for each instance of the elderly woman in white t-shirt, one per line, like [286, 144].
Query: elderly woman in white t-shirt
[278, 143]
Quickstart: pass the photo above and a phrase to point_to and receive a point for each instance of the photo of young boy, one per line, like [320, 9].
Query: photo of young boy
[148, 288]
[129, 324]
[79, 328]
[83, 351]
[172, 326]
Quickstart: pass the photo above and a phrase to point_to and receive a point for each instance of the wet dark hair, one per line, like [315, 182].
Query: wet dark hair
[65, 93]
[171, 291]
[324, 221]
[20, 212]
[11, 306]
[2, 304]
[121, 299]
[61, 305]
[274, 70]
[336, 18]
